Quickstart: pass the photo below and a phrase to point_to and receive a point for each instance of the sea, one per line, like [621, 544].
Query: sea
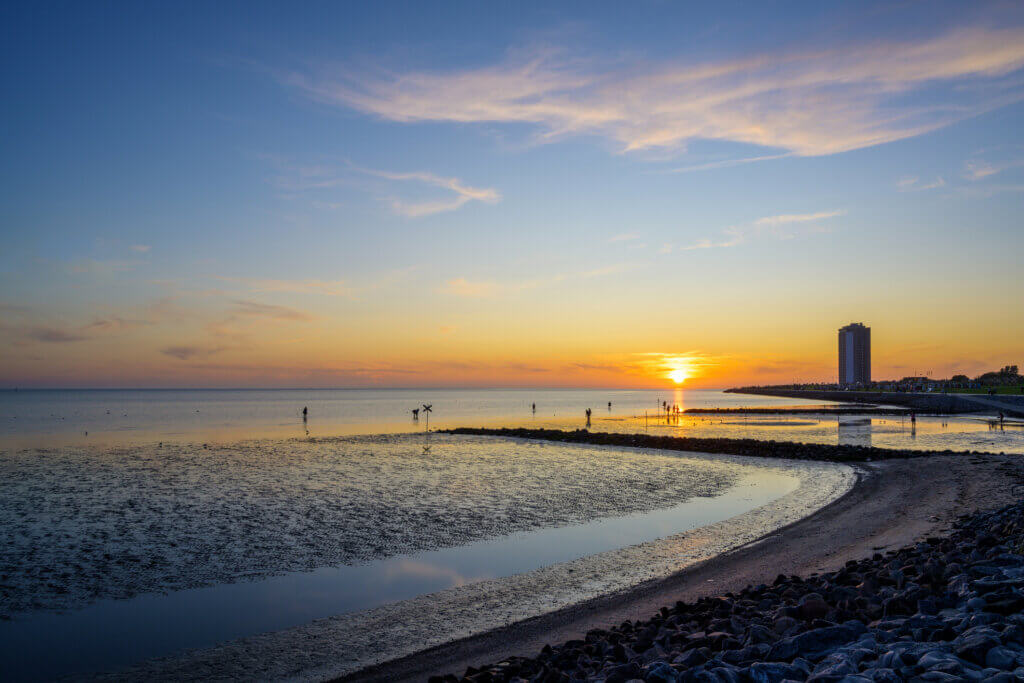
[161, 532]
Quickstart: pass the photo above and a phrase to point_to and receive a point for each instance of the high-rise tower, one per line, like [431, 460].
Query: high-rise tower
[855, 354]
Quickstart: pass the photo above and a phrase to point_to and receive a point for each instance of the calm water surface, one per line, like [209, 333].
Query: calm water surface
[33, 419]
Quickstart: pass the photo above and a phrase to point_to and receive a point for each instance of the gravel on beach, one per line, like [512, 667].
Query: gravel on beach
[948, 608]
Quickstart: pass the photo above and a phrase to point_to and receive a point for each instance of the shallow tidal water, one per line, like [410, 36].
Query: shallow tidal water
[122, 554]
[219, 532]
[57, 418]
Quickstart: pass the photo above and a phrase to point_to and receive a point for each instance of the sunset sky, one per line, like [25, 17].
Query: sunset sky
[507, 194]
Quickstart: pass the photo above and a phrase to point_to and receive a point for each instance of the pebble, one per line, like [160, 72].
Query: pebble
[947, 609]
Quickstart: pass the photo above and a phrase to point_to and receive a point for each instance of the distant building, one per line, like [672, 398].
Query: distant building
[855, 354]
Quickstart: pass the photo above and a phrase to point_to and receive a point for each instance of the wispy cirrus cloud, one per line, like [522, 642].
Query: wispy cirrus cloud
[309, 286]
[477, 289]
[787, 218]
[31, 329]
[815, 102]
[462, 194]
[317, 178]
[115, 323]
[624, 237]
[732, 237]
[255, 308]
[781, 226]
[190, 352]
[54, 335]
[980, 169]
[915, 184]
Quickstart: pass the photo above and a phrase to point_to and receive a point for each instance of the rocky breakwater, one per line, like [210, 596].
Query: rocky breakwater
[757, 448]
[945, 609]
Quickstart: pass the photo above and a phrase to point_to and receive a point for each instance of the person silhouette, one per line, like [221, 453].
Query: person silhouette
[534, 407]
[609, 405]
[305, 413]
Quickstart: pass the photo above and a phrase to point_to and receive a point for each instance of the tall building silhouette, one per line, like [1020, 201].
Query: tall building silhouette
[855, 354]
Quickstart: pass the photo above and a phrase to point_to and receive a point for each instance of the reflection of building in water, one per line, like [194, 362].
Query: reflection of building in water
[854, 431]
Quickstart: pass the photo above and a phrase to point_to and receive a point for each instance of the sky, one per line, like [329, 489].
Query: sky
[248, 194]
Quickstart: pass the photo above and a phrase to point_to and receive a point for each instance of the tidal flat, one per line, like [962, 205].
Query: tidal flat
[85, 524]
[167, 524]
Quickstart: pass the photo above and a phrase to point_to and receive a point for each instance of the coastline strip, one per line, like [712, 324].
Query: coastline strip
[897, 503]
[347, 643]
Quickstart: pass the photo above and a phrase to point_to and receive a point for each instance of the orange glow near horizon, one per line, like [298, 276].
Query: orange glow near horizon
[678, 375]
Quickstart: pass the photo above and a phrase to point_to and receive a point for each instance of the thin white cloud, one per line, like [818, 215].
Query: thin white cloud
[797, 218]
[624, 237]
[463, 193]
[733, 237]
[914, 184]
[728, 163]
[141, 248]
[325, 287]
[321, 177]
[980, 169]
[480, 289]
[771, 226]
[809, 103]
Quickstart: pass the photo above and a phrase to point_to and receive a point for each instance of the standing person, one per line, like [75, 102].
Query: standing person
[534, 407]
[305, 413]
[609, 405]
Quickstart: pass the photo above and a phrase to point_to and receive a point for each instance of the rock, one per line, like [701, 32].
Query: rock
[1001, 677]
[661, 672]
[1001, 658]
[816, 641]
[974, 643]
[833, 667]
[691, 658]
[773, 672]
[622, 673]
[813, 607]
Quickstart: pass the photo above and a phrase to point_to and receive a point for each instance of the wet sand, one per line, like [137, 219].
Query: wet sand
[334, 646]
[894, 503]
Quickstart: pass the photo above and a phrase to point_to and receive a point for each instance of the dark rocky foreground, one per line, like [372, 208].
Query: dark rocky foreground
[947, 609]
[749, 447]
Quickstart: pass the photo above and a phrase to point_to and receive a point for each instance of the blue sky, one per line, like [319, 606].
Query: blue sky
[188, 188]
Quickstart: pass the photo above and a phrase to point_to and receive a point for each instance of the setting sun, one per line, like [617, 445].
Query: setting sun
[678, 375]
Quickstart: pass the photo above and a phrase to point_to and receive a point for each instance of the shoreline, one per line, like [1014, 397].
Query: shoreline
[898, 502]
[347, 643]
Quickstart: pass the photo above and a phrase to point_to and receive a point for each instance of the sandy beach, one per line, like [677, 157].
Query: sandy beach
[894, 503]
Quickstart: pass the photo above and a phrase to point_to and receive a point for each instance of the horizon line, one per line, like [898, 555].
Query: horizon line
[395, 388]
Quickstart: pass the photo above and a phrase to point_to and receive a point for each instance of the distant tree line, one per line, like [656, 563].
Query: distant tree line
[1006, 376]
